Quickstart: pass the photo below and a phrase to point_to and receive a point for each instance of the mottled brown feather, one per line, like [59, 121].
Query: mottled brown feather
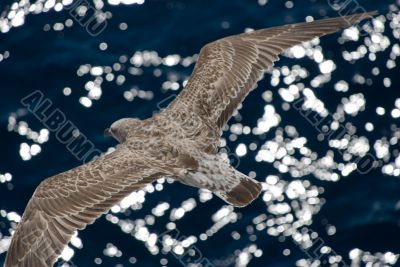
[63, 204]
[229, 68]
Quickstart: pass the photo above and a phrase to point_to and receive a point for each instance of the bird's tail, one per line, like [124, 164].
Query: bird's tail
[243, 193]
[215, 174]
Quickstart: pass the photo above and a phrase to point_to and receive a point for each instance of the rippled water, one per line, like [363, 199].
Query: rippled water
[329, 198]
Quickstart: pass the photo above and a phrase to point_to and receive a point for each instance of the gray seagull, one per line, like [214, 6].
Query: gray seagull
[180, 142]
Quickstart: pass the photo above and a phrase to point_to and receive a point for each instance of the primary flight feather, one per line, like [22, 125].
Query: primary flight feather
[180, 142]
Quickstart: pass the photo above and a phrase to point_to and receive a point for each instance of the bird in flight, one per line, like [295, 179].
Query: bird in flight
[180, 142]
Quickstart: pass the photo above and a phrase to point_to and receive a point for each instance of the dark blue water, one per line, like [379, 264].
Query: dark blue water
[363, 208]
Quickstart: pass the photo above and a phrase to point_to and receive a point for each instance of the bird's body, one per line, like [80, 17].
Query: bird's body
[189, 159]
[180, 142]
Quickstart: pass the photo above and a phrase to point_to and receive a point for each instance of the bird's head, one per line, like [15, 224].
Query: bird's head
[121, 129]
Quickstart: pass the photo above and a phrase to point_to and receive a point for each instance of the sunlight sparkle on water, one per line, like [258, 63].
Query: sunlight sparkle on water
[290, 198]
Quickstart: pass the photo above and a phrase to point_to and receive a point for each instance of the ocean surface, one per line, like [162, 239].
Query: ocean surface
[328, 199]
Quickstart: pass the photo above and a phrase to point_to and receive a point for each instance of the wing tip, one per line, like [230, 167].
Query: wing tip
[358, 17]
[373, 13]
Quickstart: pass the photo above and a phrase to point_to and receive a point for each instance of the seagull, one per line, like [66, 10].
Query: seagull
[181, 142]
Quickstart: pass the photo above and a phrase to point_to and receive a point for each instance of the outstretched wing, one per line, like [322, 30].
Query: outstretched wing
[229, 68]
[71, 200]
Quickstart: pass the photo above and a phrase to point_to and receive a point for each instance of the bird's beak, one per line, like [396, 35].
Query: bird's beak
[107, 132]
